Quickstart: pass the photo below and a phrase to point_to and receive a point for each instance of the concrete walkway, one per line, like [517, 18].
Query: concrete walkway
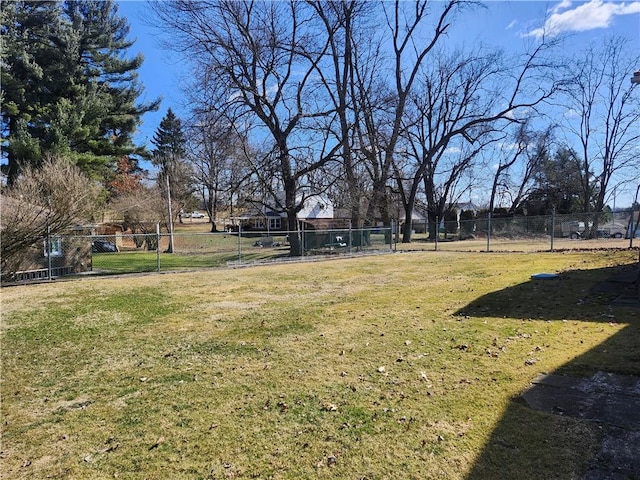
[609, 399]
[623, 286]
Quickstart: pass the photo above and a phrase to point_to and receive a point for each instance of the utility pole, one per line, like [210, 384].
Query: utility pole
[632, 227]
[170, 223]
[635, 80]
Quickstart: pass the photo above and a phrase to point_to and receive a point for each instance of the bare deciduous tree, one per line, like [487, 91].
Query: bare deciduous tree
[406, 24]
[352, 41]
[258, 64]
[460, 101]
[43, 201]
[603, 114]
[141, 210]
[216, 153]
[527, 150]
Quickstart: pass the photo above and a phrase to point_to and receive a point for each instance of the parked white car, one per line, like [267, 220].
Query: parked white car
[614, 230]
[196, 215]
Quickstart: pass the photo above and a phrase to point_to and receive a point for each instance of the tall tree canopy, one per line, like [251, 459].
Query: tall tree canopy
[174, 173]
[169, 141]
[603, 119]
[557, 184]
[261, 65]
[68, 86]
[170, 156]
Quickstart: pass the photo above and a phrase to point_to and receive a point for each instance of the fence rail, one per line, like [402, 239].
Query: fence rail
[134, 253]
[154, 252]
[528, 233]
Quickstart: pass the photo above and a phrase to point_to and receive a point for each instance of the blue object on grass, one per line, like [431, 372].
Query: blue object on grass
[544, 276]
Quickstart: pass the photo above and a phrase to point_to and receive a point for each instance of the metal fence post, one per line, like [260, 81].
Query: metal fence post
[49, 269]
[392, 231]
[488, 231]
[632, 232]
[437, 232]
[239, 243]
[553, 226]
[396, 233]
[158, 246]
[350, 237]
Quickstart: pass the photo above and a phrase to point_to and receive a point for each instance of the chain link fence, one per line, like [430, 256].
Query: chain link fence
[135, 253]
[532, 233]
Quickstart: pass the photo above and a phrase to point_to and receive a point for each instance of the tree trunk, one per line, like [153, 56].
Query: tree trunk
[170, 213]
[295, 243]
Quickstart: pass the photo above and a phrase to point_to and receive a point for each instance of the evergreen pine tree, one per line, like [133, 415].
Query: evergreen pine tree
[558, 185]
[27, 29]
[78, 96]
[174, 174]
[169, 141]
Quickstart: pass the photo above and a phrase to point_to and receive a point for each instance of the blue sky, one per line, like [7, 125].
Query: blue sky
[508, 24]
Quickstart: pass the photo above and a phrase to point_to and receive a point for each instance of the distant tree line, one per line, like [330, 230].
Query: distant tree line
[370, 103]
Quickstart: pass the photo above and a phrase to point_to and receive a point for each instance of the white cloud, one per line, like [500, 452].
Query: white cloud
[586, 16]
[561, 6]
[571, 113]
[511, 25]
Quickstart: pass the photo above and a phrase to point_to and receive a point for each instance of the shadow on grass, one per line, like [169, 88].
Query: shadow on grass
[532, 443]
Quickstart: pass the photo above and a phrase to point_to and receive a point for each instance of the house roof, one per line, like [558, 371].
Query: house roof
[316, 206]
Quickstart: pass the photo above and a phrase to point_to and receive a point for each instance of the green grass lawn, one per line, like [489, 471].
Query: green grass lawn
[132, 262]
[196, 249]
[389, 367]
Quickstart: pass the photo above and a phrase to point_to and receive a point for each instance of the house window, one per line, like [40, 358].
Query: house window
[274, 223]
[258, 223]
[55, 247]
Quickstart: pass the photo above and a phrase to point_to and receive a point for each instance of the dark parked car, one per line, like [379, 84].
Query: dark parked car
[103, 246]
